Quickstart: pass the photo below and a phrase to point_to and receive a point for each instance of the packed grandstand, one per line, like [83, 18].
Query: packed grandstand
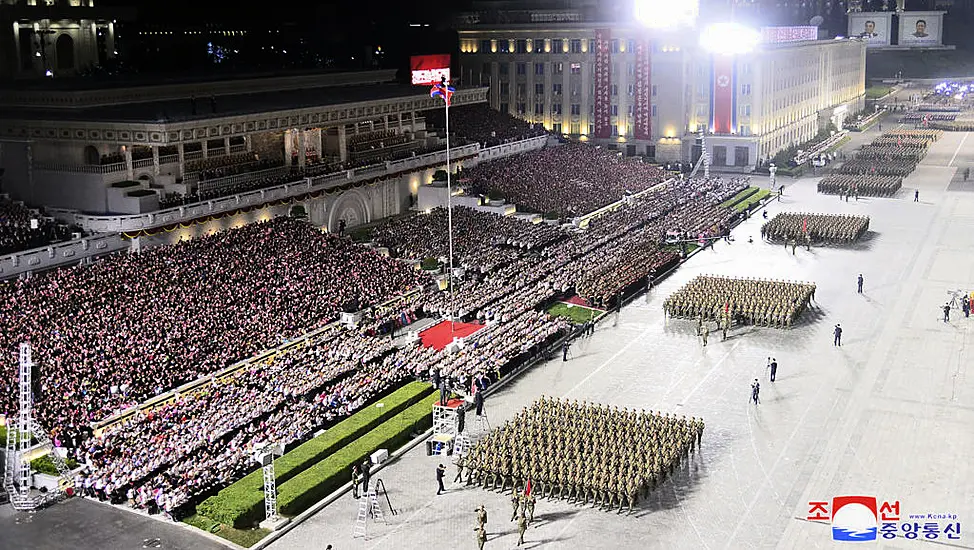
[111, 335]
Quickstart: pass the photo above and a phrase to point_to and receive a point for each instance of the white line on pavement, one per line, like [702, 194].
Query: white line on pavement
[608, 361]
[959, 145]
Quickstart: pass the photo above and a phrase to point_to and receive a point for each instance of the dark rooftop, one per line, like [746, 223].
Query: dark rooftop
[176, 110]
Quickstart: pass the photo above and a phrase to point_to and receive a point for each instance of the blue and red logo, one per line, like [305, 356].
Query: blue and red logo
[854, 518]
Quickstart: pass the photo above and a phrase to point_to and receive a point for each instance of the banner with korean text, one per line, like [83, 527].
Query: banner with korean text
[603, 68]
[722, 96]
[643, 107]
[429, 69]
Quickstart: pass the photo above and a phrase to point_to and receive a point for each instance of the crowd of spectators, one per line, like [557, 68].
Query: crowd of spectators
[569, 180]
[480, 123]
[137, 325]
[16, 233]
[134, 325]
[482, 240]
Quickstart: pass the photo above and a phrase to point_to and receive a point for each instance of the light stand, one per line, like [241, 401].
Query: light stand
[19, 444]
[265, 457]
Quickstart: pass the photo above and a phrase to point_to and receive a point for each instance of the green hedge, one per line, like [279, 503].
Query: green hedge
[45, 465]
[739, 197]
[242, 504]
[325, 477]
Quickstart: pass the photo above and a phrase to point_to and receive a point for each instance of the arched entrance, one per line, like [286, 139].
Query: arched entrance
[64, 48]
[91, 155]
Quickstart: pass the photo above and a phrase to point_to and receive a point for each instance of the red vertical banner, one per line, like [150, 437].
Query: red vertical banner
[722, 105]
[603, 67]
[643, 107]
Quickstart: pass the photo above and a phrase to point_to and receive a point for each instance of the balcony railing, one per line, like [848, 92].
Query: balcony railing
[107, 224]
[142, 163]
[81, 168]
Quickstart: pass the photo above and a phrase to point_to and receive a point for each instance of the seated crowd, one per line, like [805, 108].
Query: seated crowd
[570, 180]
[16, 233]
[191, 309]
[480, 123]
[481, 241]
[180, 312]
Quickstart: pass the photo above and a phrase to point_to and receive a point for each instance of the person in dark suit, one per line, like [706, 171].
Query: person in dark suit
[366, 475]
[440, 472]
[478, 400]
[838, 335]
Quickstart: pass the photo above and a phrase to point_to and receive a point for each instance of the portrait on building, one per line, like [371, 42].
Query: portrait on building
[872, 27]
[921, 28]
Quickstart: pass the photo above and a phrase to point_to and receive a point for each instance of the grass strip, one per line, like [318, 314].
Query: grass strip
[305, 489]
[242, 503]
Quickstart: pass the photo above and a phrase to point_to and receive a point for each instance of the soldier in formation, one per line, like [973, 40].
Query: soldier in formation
[583, 453]
[752, 301]
[840, 228]
[860, 185]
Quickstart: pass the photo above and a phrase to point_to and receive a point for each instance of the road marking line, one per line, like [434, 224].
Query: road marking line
[959, 145]
[607, 361]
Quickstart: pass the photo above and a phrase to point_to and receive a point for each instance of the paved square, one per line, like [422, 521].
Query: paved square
[889, 413]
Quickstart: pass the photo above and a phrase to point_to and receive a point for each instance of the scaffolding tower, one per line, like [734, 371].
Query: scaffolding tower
[265, 456]
[16, 474]
[445, 426]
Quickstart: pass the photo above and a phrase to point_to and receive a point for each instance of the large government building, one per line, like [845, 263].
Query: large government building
[651, 92]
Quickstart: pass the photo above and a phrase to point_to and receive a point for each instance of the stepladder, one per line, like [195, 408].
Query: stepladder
[361, 519]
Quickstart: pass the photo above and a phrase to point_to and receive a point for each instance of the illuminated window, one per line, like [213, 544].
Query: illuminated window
[576, 68]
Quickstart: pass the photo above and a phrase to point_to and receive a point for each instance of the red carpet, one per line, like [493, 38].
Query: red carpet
[438, 336]
[578, 301]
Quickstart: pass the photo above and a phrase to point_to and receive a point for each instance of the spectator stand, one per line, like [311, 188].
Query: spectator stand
[583, 221]
[203, 381]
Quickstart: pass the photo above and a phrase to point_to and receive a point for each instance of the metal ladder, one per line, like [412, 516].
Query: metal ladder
[361, 519]
[375, 511]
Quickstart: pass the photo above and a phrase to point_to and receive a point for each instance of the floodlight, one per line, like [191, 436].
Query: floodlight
[661, 14]
[729, 38]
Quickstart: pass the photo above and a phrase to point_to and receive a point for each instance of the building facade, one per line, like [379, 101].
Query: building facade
[41, 38]
[650, 93]
[100, 150]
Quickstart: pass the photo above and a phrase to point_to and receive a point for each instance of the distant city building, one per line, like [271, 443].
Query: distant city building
[646, 92]
[55, 38]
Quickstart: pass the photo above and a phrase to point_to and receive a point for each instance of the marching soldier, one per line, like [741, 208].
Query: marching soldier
[522, 526]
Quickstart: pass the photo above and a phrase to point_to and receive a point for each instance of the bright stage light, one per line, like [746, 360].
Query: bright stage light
[661, 14]
[729, 38]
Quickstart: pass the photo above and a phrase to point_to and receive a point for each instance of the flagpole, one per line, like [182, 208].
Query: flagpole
[449, 206]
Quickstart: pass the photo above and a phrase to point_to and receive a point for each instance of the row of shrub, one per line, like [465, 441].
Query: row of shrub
[242, 503]
[743, 195]
[45, 465]
[753, 200]
[325, 477]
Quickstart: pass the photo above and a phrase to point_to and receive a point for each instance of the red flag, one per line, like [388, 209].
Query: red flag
[527, 488]
[804, 225]
[726, 307]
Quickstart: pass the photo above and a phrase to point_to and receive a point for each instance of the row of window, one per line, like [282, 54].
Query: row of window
[554, 45]
[539, 68]
[576, 109]
[556, 89]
